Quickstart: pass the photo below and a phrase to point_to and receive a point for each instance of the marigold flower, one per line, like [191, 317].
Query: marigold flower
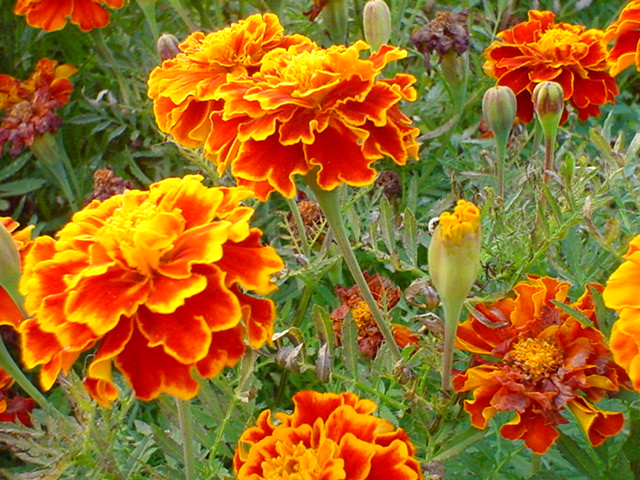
[545, 360]
[156, 280]
[370, 337]
[30, 105]
[13, 408]
[305, 105]
[14, 245]
[540, 49]
[329, 436]
[52, 15]
[183, 88]
[621, 295]
[626, 33]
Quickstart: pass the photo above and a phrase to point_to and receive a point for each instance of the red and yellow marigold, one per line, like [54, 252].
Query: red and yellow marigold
[625, 31]
[29, 106]
[328, 436]
[158, 281]
[534, 359]
[541, 50]
[53, 15]
[621, 294]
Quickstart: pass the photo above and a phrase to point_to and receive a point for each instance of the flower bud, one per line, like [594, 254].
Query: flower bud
[499, 107]
[9, 261]
[454, 252]
[377, 23]
[167, 46]
[548, 103]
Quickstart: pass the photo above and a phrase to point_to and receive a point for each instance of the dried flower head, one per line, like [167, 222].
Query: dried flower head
[106, 184]
[536, 360]
[29, 106]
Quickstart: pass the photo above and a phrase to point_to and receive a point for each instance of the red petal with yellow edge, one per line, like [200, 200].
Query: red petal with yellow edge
[169, 376]
[226, 350]
[98, 381]
[345, 420]
[188, 122]
[386, 140]
[537, 435]
[250, 264]
[10, 313]
[49, 15]
[88, 14]
[168, 294]
[393, 462]
[197, 203]
[597, 424]
[37, 347]
[101, 301]
[302, 127]
[357, 456]
[338, 153]
[381, 97]
[259, 315]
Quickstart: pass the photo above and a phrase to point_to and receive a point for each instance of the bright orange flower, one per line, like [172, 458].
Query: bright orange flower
[10, 313]
[545, 360]
[540, 49]
[30, 105]
[156, 280]
[328, 436]
[52, 15]
[621, 294]
[313, 110]
[370, 337]
[626, 33]
[183, 88]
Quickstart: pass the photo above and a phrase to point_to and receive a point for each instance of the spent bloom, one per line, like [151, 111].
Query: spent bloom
[159, 281]
[538, 50]
[29, 106]
[621, 294]
[53, 15]
[328, 436]
[534, 359]
[370, 337]
[625, 31]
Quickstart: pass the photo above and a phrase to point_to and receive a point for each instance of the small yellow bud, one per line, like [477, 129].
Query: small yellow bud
[454, 252]
[499, 107]
[167, 47]
[548, 103]
[377, 23]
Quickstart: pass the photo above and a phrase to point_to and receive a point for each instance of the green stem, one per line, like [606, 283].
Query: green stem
[148, 8]
[185, 421]
[330, 203]
[549, 154]
[452, 311]
[335, 16]
[501, 144]
[183, 13]
[536, 463]
[302, 231]
[106, 56]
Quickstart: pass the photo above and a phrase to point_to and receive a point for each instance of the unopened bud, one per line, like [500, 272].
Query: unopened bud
[9, 261]
[499, 107]
[548, 103]
[377, 23]
[167, 47]
[454, 252]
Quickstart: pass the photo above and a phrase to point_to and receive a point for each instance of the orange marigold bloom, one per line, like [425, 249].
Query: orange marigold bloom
[328, 436]
[52, 15]
[626, 33]
[156, 280]
[621, 294]
[545, 360]
[540, 49]
[30, 105]
[183, 88]
[370, 337]
[306, 104]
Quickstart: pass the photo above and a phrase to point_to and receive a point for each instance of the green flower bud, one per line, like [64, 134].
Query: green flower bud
[548, 103]
[9, 261]
[167, 46]
[499, 107]
[377, 23]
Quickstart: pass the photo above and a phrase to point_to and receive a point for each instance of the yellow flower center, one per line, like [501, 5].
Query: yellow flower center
[465, 220]
[557, 37]
[536, 356]
[124, 220]
[299, 461]
[362, 315]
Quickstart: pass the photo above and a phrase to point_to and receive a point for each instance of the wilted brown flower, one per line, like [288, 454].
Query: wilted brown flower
[390, 183]
[106, 184]
[312, 217]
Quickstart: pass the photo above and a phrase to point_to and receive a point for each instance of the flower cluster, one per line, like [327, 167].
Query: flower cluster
[157, 280]
[270, 106]
[543, 360]
[626, 33]
[370, 337]
[540, 50]
[621, 294]
[329, 436]
[29, 106]
[52, 15]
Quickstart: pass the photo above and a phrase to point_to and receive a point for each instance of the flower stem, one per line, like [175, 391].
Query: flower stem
[330, 203]
[183, 13]
[501, 145]
[185, 421]
[302, 231]
[549, 154]
[452, 311]
[148, 8]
